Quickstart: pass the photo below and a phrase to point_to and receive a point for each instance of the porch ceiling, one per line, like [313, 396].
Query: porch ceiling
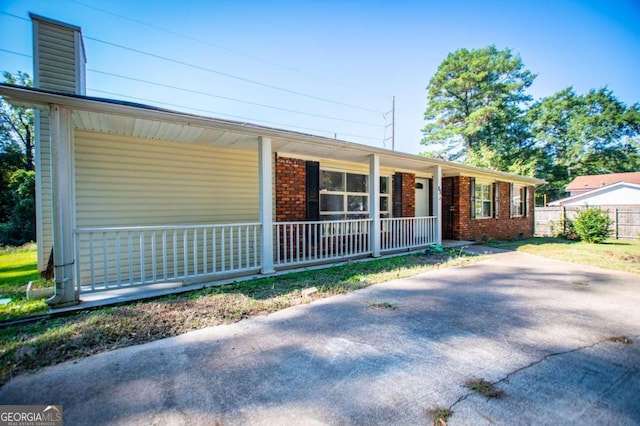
[159, 130]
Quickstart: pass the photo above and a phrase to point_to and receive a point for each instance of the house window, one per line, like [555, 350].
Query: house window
[518, 200]
[385, 196]
[345, 195]
[483, 200]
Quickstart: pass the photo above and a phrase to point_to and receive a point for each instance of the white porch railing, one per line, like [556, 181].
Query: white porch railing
[304, 242]
[407, 233]
[109, 258]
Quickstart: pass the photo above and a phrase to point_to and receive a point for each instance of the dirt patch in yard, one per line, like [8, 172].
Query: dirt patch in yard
[484, 388]
[440, 416]
[624, 340]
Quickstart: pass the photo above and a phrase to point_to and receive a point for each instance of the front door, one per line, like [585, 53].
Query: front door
[448, 208]
[422, 197]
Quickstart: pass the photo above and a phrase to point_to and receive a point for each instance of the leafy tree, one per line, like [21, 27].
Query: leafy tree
[21, 226]
[11, 160]
[16, 124]
[475, 108]
[587, 134]
[17, 176]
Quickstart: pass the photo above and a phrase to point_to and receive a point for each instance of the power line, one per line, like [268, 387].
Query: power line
[15, 53]
[235, 100]
[221, 97]
[228, 75]
[215, 72]
[226, 49]
[247, 119]
[235, 77]
[15, 16]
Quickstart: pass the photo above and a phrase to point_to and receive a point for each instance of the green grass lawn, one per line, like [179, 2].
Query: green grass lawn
[621, 255]
[18, 266]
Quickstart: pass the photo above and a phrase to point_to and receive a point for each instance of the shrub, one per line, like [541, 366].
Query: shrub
[563, 229]
[592, 224]
[21, 226]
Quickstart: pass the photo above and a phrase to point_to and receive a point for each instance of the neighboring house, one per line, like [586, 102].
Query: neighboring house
[617, 194]
[132, 195]
[582, 184]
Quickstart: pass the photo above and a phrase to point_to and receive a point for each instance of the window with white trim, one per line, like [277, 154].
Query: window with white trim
[345, 195]
[385, 196]
[518, 200]
[483, 200]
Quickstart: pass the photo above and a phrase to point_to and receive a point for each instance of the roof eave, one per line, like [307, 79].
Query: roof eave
[38, 98]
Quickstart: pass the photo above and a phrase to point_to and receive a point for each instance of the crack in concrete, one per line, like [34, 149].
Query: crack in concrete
[505, 379]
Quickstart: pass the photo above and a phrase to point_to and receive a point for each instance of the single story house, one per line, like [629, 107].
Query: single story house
[130, 195]
[619, 194]
[582, 184]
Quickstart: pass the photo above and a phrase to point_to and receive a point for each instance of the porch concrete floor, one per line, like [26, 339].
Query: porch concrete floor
[541, 330]
[129, 294]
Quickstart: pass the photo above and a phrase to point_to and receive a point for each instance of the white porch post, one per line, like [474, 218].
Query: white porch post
[374, 203]
[63, 219]
[266, 204]
[437, 202]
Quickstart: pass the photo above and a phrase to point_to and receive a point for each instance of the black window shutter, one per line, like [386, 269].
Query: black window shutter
[313, 190]
[397, 195]
[473, 198]
[496, 200]
[525, 207]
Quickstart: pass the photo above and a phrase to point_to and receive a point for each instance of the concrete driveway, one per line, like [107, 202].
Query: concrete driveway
[389, 354]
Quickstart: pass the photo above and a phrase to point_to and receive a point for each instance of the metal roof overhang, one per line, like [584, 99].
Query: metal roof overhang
[137, 120]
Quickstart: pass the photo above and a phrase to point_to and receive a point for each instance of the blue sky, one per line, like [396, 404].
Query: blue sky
[350, 54]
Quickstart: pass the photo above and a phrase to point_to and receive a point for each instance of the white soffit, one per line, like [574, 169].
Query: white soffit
[159, 130]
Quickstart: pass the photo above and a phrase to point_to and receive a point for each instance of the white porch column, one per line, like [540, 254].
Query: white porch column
[266, 204]
[63, 212]
[374, 203]
[437, 202]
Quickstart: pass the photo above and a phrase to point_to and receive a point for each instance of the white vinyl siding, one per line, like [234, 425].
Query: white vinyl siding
[44, 202]
[126, 182]
[123, 181]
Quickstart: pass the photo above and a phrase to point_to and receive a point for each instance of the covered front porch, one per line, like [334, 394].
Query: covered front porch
[122, 257]
[142, 197]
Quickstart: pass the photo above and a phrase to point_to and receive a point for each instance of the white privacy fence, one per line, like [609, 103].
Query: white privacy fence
[123, 257]
[108, 258]
[552, 221]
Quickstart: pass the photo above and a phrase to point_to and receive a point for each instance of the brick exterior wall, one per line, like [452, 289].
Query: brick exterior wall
[408, 195]
[503, 228]
[291, 188]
